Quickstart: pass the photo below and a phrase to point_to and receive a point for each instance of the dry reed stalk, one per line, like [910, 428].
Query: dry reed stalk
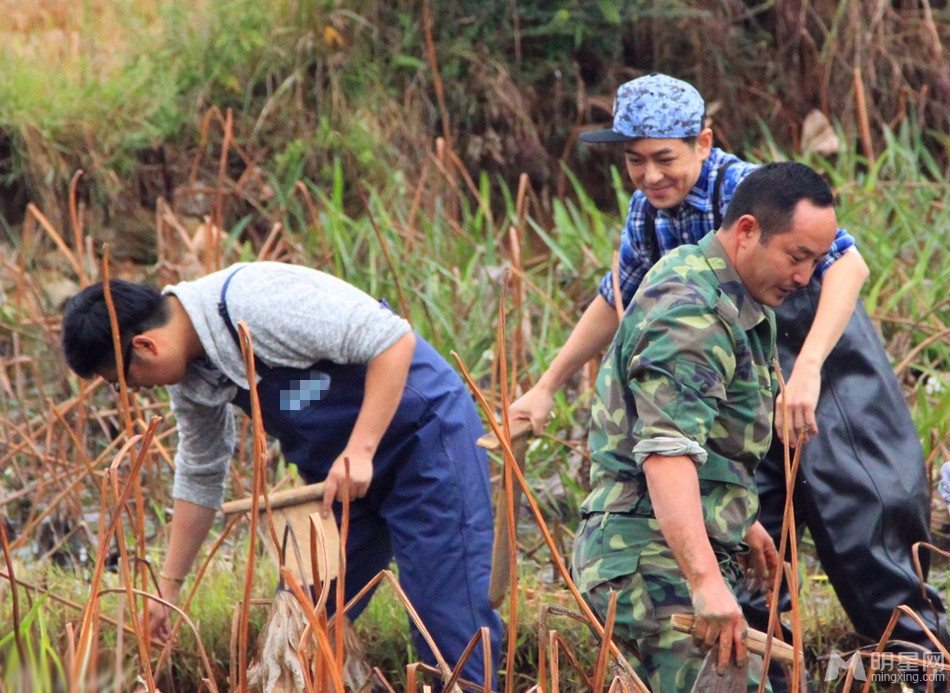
[600, 669]
[403, 306]
[139, 523]
[167, 648]
[560, 645]
[543, 295]
[519, 236]
[381, 680]
[513, 280]
[168, 216]
[33, 210]
[473, 189]
[14, 594]
[315, 220]
[341, 578]
[618, 296]
[194, 628]
[416, 203]
[791, 570]
[46, 594]
[217, 217]
[120, 365]
[863, 118]
[90, 611]
[881, 656]
[450, 214]
[259, 489]
[412, 677]
[502, 360]
[318, 673]
[127, 579]
[905, 362]
[76, 219]
[542, 663]
[919, 570]
[789, 539]
[483, 637]
[387, 575]
[268, 245]
[627, 670]
[436, 77]
[319, 632]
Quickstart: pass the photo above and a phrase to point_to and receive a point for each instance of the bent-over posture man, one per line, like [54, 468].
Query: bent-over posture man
[681, 417]
[340, 376]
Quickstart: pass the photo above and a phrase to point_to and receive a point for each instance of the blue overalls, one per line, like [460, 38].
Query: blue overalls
[429, 503]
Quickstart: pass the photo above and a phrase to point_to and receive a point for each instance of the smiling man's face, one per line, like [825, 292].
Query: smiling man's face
[665, 170]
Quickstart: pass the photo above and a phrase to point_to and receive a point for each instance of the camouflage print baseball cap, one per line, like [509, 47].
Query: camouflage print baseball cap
[653, 106]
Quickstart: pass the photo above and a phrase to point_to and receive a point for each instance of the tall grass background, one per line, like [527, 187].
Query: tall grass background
[318, 102]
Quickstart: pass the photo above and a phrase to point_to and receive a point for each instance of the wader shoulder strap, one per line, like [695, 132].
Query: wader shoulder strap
[649, 236]
[717, 196]
[223, 312]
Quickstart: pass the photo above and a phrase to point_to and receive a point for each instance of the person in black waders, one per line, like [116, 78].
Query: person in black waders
[862, 489]
[339, 376]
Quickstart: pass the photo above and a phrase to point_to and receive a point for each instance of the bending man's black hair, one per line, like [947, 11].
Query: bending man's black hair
[87, 332]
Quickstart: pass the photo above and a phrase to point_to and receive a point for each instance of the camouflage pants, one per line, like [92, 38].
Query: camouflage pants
[628, 555]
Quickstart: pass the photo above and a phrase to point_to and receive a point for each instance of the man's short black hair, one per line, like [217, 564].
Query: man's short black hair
[772, 192]
[87, 331]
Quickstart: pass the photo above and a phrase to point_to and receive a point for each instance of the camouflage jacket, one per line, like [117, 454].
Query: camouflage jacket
[689, 373]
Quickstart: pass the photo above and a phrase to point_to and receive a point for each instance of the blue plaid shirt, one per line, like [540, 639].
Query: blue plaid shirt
[687, 223]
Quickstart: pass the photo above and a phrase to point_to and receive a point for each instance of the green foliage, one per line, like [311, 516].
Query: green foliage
[37, 666]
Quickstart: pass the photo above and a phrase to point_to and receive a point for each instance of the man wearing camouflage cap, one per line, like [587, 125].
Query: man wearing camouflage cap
[862, 490]
[681, 417]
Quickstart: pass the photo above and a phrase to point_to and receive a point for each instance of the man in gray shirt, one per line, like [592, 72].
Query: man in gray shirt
[340, 377]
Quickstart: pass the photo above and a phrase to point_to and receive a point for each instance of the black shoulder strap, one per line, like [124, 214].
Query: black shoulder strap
[649, 235]
[717, 196]
[223, 312]
[223, 307]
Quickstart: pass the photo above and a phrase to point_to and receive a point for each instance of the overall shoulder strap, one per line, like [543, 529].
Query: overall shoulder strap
[223, 312]
[649, 235]
[223, 307]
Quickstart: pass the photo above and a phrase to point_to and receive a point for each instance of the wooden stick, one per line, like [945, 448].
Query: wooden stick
[278, 499]
[755, 640]
[501, 568]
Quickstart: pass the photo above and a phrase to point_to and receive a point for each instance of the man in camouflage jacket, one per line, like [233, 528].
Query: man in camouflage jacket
[682, 416]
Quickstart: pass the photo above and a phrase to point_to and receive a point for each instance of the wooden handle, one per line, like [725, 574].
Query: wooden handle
[755, 640]
[520, 429]
[500, 580]
[278, 499]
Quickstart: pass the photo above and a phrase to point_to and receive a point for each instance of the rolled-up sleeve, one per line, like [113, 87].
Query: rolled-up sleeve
[844, 243]
[205, 446]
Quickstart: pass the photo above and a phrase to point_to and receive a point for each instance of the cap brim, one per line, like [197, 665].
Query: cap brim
[607, 135]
